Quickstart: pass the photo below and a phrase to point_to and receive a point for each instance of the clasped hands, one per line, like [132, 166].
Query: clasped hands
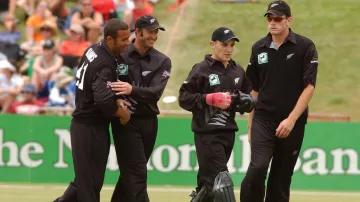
[122, 88]
[123, 112]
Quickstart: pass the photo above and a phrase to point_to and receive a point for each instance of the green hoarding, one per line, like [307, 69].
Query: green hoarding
[37, 149]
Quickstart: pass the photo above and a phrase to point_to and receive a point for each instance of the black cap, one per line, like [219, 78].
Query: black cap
[48, 44]
[148, 22]
[278, 8]
[223, 35]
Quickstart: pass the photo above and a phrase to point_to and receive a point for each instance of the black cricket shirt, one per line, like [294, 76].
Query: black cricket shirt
[210, 76]
[148, 74]
[95, 101]
[281, 74]
[4, 5]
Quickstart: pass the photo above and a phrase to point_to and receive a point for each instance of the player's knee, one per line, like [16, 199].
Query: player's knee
[254, 177]
[258, 170]
[138, 172]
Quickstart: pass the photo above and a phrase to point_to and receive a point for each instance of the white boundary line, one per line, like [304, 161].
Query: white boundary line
[179, 190]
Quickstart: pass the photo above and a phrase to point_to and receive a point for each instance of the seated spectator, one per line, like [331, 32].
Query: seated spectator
[123, 6]
[7, 14]
[46, 65]
[48, 31]
[74, 47]
[89, 19]
[29, 105]
[61, 95]
[10, 84]
[141, 7]
[73, 10]
[42, 13]
[56, 7]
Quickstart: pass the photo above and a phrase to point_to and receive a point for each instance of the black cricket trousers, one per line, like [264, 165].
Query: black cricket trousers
[90, 144]
[283, 154]
[213, 151]
[134, 143]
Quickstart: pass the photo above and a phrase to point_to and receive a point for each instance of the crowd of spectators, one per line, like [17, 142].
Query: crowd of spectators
[38, 62]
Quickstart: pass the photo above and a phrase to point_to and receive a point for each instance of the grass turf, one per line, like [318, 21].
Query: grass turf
[29, 193]
[331, 24]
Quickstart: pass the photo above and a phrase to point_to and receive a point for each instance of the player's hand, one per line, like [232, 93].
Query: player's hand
[123, 111]
[124, 115]
[122, 103]
[219, 100]
[284, 128]
[121, 88]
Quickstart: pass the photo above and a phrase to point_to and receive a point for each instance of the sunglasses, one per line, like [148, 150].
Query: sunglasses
[28, 92]
[45, 29]
[276, 19]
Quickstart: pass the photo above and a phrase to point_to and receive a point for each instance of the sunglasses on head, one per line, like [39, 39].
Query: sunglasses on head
[275, 18]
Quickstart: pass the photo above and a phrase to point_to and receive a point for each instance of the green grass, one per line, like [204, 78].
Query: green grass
[49, 193]
[331, 24]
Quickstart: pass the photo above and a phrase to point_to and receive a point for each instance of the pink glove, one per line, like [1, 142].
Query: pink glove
[219, 100]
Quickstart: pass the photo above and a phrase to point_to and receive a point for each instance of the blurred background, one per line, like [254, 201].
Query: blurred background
[41, 42]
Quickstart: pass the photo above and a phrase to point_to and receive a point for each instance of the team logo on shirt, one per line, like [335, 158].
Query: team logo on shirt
[262, 58]
[214, 79]
[122, 69]
[236, 80]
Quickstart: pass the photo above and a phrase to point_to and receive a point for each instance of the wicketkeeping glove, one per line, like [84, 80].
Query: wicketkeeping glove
[219, 100]
[242, 102]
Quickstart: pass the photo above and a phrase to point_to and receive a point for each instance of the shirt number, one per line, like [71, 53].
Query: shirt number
[80, 74]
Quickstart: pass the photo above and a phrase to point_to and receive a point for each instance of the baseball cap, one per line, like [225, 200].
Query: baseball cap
[278, 8]
[148, 22]
[223, 35]
[77, 29]
[48, 44]
[28, 88]
[3, 56]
